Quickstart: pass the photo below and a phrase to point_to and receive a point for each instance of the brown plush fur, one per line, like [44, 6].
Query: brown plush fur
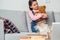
[41, 10]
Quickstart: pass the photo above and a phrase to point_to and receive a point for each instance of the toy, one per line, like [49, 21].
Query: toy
[41, 10]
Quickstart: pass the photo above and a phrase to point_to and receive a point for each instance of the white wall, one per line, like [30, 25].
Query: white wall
[14, 4]
[52, 5]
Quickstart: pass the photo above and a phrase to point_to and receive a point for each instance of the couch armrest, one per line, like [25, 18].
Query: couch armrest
[56, 23]
[55, 31]
[1, 30]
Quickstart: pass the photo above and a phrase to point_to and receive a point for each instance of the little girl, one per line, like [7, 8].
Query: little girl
[33, 6]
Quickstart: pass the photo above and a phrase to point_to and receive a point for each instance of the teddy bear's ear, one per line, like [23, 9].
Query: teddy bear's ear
[44, 6]
[42, 9]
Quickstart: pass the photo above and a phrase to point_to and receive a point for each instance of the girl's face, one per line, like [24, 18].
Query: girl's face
[34, 5]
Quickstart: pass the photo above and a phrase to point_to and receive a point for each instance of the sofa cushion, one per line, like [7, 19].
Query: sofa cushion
[57, 16]
[17, 17]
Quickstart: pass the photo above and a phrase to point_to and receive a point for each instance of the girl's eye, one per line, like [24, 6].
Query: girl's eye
[35, 4]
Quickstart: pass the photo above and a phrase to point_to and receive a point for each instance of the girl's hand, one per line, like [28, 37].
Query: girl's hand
[36, 11]
[39, 14]
[44, 15]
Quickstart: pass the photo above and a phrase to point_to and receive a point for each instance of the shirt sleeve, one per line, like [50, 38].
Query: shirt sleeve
[34, 17]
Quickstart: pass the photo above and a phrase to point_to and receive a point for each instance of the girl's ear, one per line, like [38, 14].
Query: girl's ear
[30, 7]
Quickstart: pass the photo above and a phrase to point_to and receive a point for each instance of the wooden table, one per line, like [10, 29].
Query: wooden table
[33, 37]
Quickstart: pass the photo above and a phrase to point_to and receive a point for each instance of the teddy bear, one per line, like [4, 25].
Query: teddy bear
[41, 9]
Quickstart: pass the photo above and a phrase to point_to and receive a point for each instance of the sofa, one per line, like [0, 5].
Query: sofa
[22, 20]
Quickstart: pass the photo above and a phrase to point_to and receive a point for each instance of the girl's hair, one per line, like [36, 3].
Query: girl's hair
[30, 3]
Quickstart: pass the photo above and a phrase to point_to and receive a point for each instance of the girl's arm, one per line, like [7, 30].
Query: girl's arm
[34, 17]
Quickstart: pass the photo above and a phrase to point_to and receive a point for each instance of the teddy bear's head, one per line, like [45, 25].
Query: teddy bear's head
[42, 9]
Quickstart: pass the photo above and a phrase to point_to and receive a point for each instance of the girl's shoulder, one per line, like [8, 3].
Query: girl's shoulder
[30, 12]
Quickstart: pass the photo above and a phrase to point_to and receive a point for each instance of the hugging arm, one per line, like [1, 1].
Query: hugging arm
[34, 17]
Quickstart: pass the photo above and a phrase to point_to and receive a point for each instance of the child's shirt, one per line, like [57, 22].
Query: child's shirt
[34, 17]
